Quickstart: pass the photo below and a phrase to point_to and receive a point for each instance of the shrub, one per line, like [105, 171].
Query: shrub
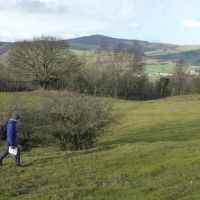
[34, 126]
[77, 121]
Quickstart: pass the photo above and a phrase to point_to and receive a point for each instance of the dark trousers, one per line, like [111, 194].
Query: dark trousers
[5, 153]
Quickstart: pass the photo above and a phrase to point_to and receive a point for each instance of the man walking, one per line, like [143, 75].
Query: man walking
[12, 139]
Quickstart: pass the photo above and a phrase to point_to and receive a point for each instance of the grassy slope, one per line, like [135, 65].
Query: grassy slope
[190, 57]
[152, 153]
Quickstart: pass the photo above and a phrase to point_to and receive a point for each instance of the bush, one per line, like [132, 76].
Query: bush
[77, 121]
[34, 126]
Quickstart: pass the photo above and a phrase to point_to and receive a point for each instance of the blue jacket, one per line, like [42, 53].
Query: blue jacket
[11, 132]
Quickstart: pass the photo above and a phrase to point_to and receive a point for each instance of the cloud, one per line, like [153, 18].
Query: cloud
[12, 36]
[6, 35]
[102, 10]
[134, 25]
[25, 35]
[49, 1]
[83, 34]
[191, 24]
[32, 6]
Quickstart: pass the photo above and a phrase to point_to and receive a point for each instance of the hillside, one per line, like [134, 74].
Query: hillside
[152, 153]
[93, 42]
[191, 57]
[159, 52]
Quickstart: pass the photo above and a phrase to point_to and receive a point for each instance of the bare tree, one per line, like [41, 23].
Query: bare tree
[135, 71]
[111, 68]
[180, 79]
[122, 73]
[44, 59]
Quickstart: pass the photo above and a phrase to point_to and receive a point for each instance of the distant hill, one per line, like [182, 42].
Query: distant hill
[94, 42]
[156, 51]
[4, 47]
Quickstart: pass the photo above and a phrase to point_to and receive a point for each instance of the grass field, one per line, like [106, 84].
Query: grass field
[153, 153]
[166, 68]
[159, 68]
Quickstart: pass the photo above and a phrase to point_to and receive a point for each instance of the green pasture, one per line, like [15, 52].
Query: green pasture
[166, 68]
[152, 152]
[159, 68]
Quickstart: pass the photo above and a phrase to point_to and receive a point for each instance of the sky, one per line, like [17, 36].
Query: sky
[166, 21]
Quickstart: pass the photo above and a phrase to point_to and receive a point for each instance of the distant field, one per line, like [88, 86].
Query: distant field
[151, 153]
[89, 56]
[159, 68]
[176, 50]
[166, 68]
[82, 52]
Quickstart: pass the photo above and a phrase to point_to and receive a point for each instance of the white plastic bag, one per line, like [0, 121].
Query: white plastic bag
[13, 150]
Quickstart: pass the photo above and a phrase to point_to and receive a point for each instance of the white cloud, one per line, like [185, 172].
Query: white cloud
[49, 1]
[124, 11]
[6, 35]
[134, 25]
[25, 35]
[69, 36]
[83, 34]
[11, 36]
[32, 6]
[192, 23]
